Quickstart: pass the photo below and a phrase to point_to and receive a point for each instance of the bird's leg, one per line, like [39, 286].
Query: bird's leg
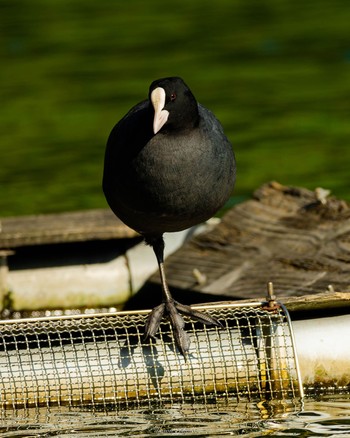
[158, 248]
[171, 308]
[168, 305]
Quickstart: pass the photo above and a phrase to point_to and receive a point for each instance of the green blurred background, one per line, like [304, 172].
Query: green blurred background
[276, 73]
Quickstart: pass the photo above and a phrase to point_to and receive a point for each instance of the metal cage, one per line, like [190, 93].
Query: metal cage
[102, 359]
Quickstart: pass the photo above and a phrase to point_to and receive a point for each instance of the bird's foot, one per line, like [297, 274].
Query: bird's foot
[172, 309]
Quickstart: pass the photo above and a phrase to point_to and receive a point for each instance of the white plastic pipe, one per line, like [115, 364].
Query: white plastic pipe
[323, 347]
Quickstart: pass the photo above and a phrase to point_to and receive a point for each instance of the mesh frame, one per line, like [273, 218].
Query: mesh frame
[102, 359]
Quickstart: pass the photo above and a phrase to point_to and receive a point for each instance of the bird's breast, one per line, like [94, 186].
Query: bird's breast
[174, 181]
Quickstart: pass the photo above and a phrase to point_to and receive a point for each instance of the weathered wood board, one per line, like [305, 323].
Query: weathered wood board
[286, 235]
[329, 301]
[98, 224]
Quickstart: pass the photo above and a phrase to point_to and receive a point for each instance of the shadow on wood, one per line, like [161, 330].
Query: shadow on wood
[295, 237]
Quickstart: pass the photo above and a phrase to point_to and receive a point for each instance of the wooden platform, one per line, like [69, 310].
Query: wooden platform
[99, 224]
[287, 235]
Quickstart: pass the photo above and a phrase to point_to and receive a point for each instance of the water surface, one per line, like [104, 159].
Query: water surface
[326, 416]
[276, 74]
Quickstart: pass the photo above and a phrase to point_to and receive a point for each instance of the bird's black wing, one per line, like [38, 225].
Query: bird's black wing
[130, 134]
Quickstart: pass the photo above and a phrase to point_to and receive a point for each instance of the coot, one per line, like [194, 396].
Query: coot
[168, 166]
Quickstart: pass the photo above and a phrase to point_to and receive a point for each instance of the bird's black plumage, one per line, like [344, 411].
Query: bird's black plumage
[168, 166]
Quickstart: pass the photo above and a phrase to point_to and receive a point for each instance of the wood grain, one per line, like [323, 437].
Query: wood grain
[284, 234]
[99, 224]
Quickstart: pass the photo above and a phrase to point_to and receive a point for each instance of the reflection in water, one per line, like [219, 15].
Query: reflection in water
[329, 416]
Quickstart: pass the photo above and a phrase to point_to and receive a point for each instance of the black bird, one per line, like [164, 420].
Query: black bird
[168, 166]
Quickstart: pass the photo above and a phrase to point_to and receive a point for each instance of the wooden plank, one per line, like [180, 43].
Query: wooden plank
[286, 235]
[322, 301]
[306, 303]
[98, 224]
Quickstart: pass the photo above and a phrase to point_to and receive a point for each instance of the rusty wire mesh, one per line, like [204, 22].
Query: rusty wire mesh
[103, 359]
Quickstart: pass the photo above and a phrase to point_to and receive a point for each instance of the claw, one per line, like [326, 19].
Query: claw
[172, 309]
[198, 316]
[153, 321]
[182, 339]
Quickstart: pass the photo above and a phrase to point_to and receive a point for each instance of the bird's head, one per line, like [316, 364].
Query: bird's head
[175, 107]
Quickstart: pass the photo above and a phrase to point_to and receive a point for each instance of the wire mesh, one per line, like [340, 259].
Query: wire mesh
[103, 359]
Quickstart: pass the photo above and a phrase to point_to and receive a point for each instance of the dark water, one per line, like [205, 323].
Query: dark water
[326, 416]
[276, 73]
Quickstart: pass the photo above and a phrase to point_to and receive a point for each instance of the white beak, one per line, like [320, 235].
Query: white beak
[160, 115]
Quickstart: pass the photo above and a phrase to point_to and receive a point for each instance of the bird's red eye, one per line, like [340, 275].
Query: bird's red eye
[173, 96]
